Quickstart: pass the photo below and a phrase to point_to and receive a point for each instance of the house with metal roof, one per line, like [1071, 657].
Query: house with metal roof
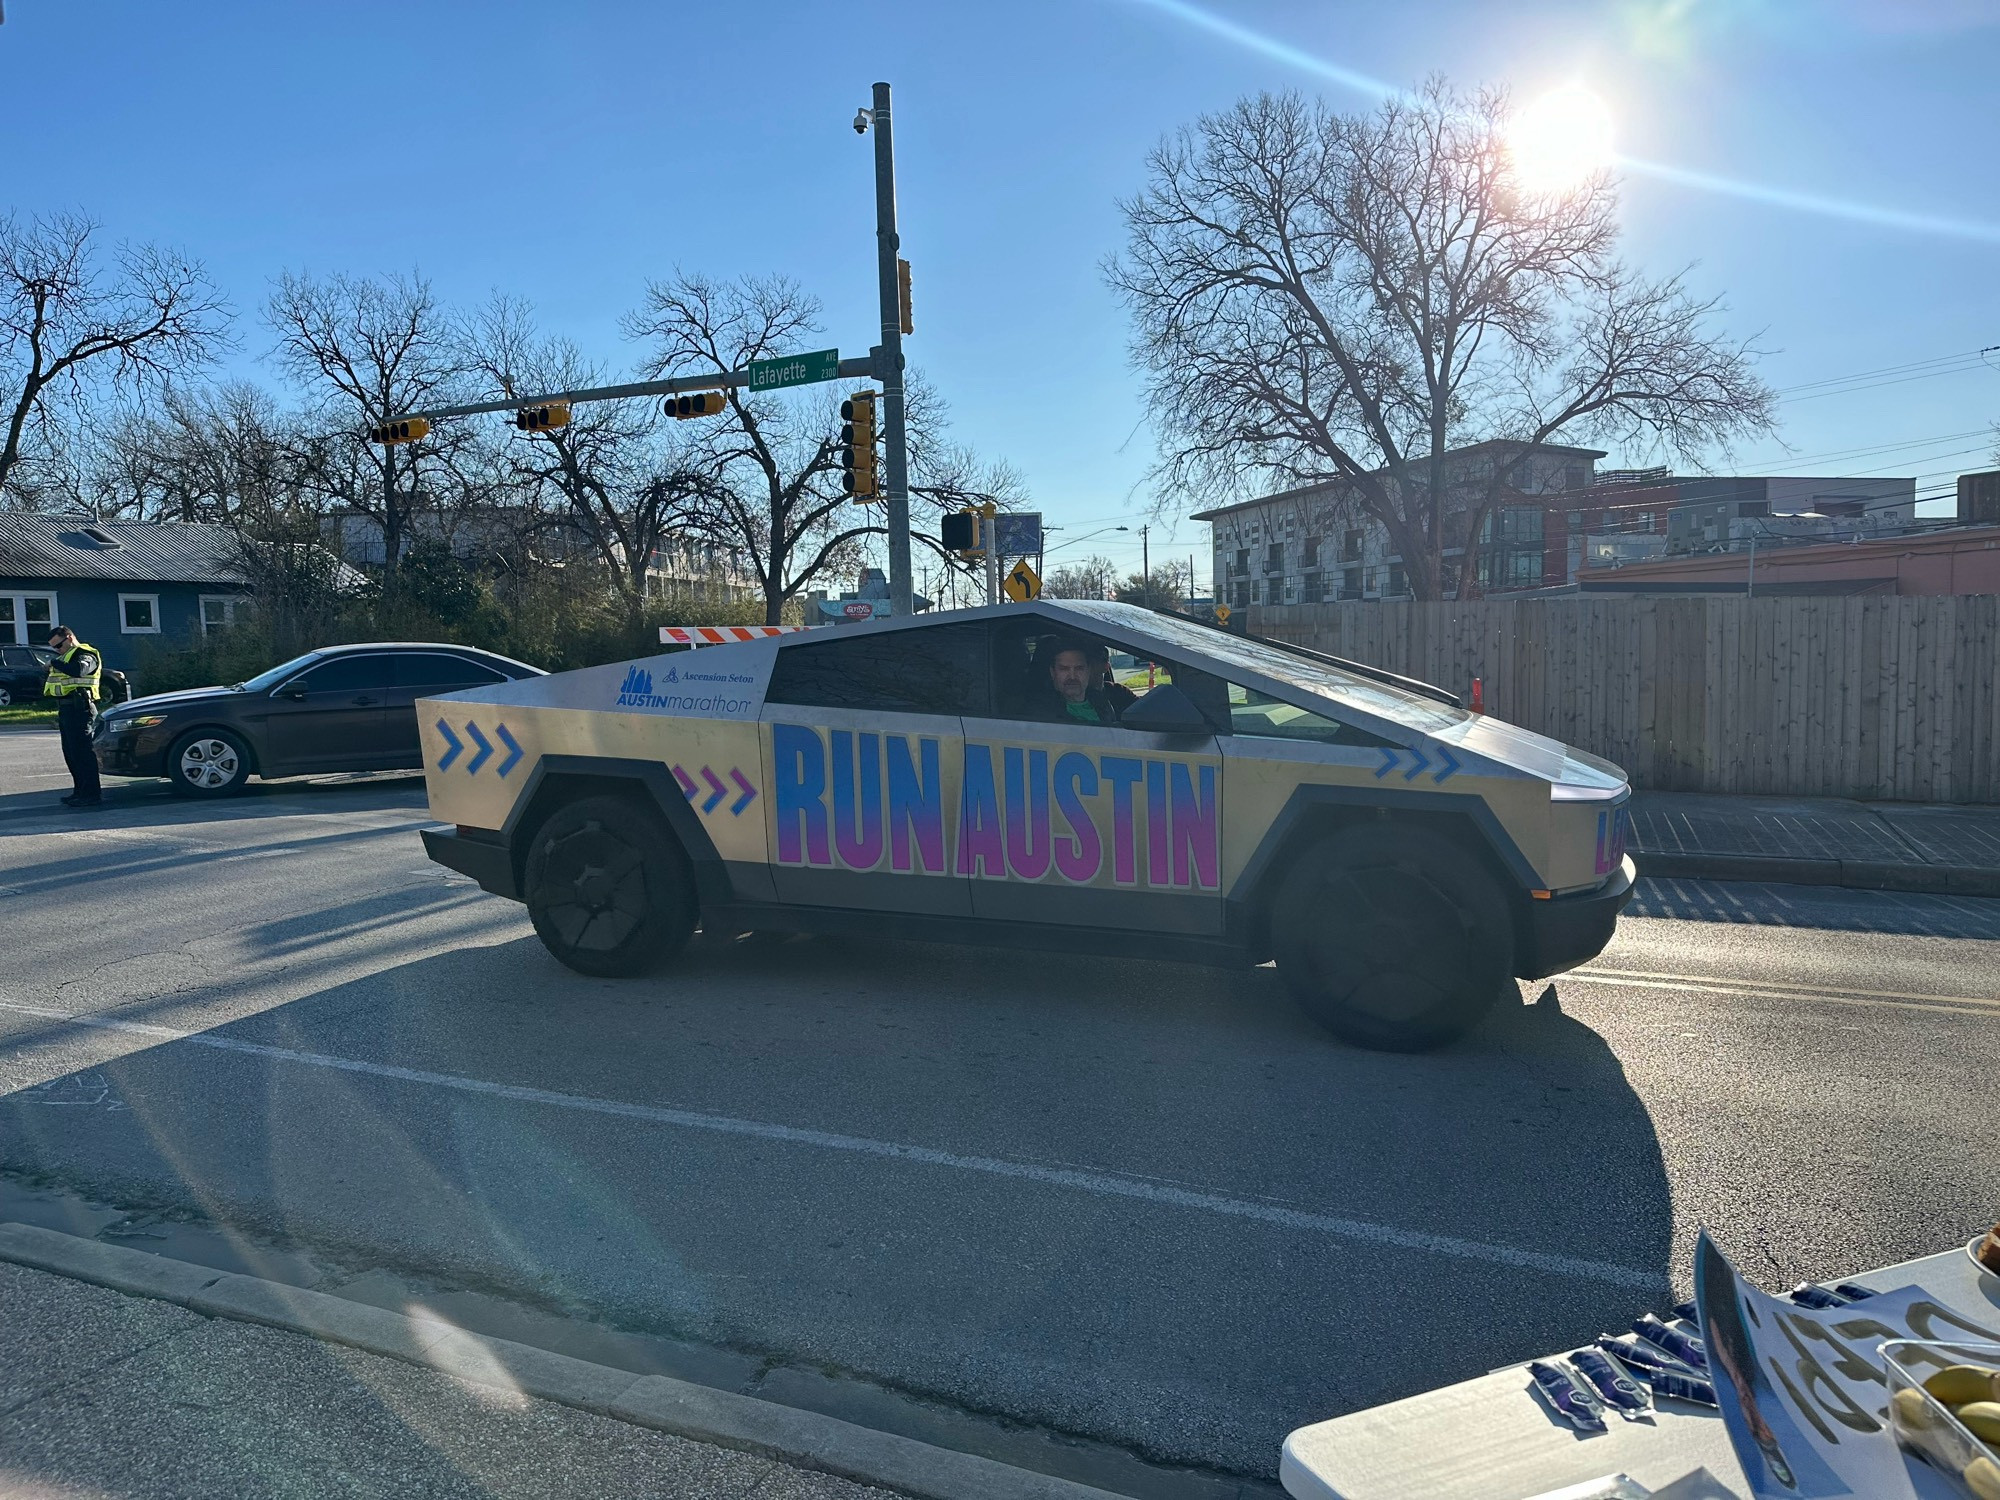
[117, 584]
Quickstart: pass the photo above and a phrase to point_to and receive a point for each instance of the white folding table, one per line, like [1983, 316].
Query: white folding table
[1491, 1439]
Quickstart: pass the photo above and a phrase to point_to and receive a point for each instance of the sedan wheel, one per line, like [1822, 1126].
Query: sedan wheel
[6, 697]
[208, 763]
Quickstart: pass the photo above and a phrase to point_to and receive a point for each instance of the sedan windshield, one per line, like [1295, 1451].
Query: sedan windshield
[264, 681]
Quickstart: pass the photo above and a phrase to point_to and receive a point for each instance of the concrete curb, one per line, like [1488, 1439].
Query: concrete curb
[1852, 874]
[726, 1419]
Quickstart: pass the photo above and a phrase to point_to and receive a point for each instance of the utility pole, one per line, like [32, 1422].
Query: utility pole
[889, 358]
[1146, 565]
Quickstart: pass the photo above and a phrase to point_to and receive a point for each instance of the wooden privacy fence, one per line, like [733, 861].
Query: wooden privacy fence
[1884, 698]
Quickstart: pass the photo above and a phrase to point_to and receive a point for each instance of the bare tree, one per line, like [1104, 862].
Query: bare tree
[73, 327]
[622, 476]
[1334, 299]
[223, 454]
[774, 493]
[1093, 578]
[364, 350]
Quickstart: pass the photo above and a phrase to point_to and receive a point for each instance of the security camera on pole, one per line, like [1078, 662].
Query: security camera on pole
[888, 354]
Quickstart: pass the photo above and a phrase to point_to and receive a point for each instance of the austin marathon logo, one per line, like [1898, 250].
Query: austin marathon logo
[637, 691]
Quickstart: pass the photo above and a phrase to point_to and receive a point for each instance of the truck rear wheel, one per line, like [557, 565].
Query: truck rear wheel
[608, 887]
[1393, 937]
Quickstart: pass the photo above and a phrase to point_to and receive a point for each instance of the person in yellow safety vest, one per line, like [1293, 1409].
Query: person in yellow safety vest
[73, 684]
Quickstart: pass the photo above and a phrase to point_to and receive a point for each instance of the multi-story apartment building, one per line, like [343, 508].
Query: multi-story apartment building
[1312, 544]
[1558, 515]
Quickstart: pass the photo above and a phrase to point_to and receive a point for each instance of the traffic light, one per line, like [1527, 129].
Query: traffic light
[541, 418]
[694, 404]
[857, 446]
[406, 431]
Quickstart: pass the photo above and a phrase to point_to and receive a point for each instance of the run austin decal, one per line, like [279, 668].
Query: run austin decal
[856, 801]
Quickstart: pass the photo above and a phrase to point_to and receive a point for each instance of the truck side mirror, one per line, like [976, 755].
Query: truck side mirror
[1165, 710]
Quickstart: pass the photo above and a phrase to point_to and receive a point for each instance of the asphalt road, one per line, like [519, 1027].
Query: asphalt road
[1137, 1202]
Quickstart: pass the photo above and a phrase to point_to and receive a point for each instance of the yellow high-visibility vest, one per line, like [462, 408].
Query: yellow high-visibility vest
[63, 683]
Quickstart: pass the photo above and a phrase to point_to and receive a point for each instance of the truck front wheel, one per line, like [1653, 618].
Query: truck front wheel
[1393, 937]
[608, 887]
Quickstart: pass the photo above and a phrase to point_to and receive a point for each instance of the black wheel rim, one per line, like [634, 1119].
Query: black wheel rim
[1394, 948]
[593, 889]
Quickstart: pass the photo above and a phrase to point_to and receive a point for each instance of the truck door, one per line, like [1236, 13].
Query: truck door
[863, 740]
[1082, 824]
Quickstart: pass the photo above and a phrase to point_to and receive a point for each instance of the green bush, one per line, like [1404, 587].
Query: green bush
[559, 620]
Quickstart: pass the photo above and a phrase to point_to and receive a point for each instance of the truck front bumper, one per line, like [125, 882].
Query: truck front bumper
[1565, 931]
[475, 852]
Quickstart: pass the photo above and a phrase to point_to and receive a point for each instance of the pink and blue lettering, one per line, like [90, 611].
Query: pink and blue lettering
[861, 801]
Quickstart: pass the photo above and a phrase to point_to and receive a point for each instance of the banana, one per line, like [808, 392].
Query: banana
[1957, 1384]
[1982, 1478]
[1981, 1419]
[1913, 1412]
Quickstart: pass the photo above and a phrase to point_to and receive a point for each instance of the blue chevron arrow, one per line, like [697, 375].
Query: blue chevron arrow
[456, 744]
[513, 751]
[749, 791]
[1451, 766]
[485, 748]
[1423, 763]
[1388, 762]
[717, 794]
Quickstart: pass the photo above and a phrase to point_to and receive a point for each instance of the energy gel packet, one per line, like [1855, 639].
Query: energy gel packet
[1583, 1410]
[1610, 1380]
[1687, 1350]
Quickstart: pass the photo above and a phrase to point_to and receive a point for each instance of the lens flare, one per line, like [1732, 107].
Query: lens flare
[1560, 141]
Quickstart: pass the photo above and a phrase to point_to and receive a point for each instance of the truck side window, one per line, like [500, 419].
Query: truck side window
[930, 669]
[1259, 715]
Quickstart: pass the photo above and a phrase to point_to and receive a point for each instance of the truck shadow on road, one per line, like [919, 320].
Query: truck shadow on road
[1142, 1202]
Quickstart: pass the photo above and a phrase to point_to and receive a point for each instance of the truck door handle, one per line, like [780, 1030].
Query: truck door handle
[363, 701]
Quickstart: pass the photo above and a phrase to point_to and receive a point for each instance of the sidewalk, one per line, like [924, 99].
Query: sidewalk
[1890, 846]
[110, 1395]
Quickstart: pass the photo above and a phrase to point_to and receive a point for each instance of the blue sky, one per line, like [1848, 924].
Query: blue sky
[569, 152]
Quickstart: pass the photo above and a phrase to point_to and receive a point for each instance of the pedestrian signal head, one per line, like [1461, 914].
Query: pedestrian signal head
[694, 404]
[408, 430]
[541, 418]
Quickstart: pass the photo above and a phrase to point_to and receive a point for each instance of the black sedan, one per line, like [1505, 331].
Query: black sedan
[343, 708]
[23, 671]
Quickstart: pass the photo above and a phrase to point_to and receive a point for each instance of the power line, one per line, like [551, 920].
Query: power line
[1974, 356]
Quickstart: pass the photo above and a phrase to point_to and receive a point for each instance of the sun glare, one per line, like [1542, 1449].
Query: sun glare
[1560, 140]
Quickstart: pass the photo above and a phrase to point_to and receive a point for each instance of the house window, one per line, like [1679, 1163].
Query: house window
[1350, 583]
[1309, 557]
[220, 611]
[1399, 585]
[1274, 558]
[139, 614]
[27, 619]
[1242, 563]
[1350, 547]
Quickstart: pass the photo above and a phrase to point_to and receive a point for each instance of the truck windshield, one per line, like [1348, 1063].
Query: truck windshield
[1320, 679]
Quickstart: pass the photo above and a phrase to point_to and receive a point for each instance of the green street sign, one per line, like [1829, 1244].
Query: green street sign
[794, 369]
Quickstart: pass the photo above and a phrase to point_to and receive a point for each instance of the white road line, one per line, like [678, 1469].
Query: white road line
[1785, 984]
[1102, 1183]
[1749, 989]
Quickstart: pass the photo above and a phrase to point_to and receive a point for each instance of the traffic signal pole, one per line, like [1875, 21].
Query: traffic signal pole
[889, 359]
